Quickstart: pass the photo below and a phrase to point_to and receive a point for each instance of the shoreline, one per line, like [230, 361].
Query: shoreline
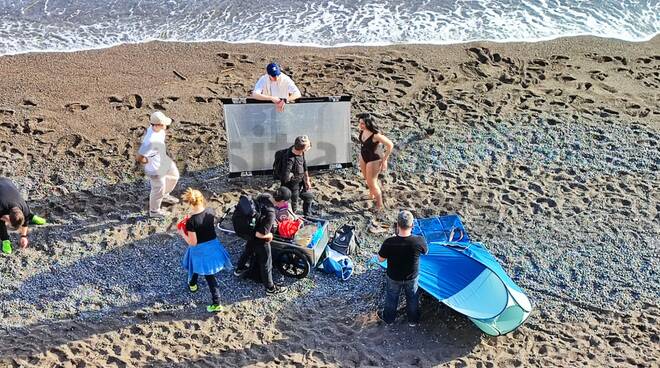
[548, 151]
[341, 45]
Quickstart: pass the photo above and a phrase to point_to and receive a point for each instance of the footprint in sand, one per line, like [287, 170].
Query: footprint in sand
[129, 102]
[241, 58]
[33, 126]
[76, 106]
[203, 99]
[28, 103]
[644, 60]
[67, 144]
[608, 59]
[161, 103]
[598, 75]
[559, 58]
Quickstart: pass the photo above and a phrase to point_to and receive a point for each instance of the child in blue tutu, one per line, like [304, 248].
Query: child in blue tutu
[205, 254]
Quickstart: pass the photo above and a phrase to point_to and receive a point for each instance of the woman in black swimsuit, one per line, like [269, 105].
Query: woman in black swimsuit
[371, 163]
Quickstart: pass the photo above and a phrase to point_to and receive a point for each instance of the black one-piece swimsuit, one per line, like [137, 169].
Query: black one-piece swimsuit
[368, 149]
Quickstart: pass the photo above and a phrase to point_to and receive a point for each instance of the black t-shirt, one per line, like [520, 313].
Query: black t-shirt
[296, 165]
[402, 255]
[265, 223]
[11, 197]
[203, 225]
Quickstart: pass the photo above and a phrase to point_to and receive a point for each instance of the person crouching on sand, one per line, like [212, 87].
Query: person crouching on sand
[14, 214]
[371, 162]
[205, 254]
[161, 170]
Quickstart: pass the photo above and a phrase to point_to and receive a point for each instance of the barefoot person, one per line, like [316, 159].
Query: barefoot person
[205, 255]
[161, 170]
[276, 87]
[371, 163]
[402, 254]
[15, 214]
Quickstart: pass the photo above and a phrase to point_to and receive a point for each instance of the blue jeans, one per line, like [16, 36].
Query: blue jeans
[411, 289]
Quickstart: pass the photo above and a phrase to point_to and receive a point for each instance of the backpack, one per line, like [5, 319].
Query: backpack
[245, 217]
[279, 165]
[345, 240]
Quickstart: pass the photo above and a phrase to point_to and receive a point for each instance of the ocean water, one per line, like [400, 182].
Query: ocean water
[68, 25]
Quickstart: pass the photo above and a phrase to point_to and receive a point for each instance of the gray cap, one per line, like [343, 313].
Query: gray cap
[405, 219]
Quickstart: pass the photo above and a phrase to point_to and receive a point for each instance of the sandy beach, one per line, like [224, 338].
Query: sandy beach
[548, 151]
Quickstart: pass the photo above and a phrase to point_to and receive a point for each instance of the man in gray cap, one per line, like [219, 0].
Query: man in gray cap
[294, 175]
[402, 254]
[161, 170]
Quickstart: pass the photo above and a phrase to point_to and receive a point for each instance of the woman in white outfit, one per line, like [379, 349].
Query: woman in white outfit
[160, 168]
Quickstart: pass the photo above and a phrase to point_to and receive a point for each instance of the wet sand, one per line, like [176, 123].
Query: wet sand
[548, 151]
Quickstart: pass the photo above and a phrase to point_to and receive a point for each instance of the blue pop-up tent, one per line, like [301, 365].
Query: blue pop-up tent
[467, 278]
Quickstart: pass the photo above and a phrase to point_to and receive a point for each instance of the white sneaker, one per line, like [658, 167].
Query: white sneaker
[160, 214]
[170, 199]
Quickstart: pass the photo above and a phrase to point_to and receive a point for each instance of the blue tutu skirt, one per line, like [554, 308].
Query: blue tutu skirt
[207, 258]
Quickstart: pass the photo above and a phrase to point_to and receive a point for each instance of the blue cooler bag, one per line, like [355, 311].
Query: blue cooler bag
[338, 264]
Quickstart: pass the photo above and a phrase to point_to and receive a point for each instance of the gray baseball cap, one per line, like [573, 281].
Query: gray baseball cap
[405, 219]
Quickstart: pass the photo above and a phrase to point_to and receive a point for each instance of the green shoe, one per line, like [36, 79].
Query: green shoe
[214, 308]
[6, 247]
[37, 220]
[193, 288]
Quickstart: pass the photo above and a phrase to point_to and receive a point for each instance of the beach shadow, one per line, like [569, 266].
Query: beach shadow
[334, 330]
[138, 282]
[330, 326]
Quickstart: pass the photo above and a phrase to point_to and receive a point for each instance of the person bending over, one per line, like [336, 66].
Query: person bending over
[371, 162]
[15, 214]
[402, 254]
[276, 87]
[258, 246]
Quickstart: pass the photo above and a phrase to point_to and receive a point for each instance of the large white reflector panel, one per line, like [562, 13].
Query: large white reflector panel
[255, 131]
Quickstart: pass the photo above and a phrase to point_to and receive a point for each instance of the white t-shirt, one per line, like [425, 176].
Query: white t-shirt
[280, 88]
[153, 148]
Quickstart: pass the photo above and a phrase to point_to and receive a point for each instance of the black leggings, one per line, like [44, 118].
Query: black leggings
[213, 286]
[4, 235]
[262, 253]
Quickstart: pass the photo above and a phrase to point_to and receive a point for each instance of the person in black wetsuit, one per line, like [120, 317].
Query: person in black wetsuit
[371, 162]
[15, 214]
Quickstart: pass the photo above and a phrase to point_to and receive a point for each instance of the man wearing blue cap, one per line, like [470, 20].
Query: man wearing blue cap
[276, 87]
